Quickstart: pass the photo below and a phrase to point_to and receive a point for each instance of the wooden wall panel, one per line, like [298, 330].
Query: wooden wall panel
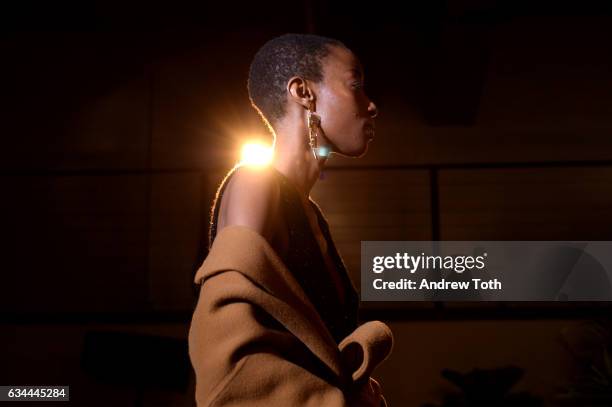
[526, 204]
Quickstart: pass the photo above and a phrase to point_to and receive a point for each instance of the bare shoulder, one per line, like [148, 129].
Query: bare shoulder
[251, 199]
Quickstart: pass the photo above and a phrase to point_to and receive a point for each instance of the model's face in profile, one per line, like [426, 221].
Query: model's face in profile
[347, 114]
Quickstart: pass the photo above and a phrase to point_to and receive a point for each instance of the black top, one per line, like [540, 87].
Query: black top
[305, 260]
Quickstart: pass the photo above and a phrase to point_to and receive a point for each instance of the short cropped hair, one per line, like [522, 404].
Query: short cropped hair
[276, 62]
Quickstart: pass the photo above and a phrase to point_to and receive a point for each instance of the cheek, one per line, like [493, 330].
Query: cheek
[339, 114]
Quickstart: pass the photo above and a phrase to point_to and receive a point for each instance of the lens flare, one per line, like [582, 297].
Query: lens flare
[255, 153]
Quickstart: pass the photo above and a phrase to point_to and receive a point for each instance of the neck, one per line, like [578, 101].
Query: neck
[293, 157]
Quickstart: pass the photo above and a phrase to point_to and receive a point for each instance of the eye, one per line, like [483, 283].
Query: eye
[357, 85]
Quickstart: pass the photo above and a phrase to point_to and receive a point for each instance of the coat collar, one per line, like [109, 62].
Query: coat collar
[240, 248]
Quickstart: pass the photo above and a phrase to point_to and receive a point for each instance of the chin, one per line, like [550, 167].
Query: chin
[357, 149]
[364, 151]
[355, 152]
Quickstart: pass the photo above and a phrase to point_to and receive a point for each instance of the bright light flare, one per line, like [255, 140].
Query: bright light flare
[255, 153]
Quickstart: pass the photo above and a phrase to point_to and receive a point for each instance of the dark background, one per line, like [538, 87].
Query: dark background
[119, 120]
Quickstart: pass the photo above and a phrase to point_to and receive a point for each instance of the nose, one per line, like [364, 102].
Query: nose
[372, 110]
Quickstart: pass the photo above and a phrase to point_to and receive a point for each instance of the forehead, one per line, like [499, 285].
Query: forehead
[341, 62]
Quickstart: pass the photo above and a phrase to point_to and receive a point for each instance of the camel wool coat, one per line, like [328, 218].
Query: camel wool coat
[256, 340]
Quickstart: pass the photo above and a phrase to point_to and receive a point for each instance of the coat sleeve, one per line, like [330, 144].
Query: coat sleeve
[242, 356]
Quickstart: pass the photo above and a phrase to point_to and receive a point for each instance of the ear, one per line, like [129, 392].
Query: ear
[300, 91]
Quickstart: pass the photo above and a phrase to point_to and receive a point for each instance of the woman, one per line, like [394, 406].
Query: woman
[294, 306]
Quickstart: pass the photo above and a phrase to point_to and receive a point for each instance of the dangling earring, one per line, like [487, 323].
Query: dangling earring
[314, 123]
